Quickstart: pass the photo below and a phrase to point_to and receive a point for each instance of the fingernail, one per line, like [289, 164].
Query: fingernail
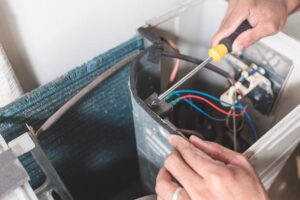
[195, 138]
[171, 138]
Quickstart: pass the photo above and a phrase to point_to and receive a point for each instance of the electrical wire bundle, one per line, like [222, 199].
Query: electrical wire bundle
[186, 95]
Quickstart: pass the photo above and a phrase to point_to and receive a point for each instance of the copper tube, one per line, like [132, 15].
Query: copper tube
[175, 70]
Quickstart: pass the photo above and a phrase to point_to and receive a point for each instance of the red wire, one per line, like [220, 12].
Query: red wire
[228, 113]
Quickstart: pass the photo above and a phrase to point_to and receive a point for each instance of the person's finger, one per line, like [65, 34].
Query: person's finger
[250, 36]
[165, 187]
[219, 152]
[199, 161]
[232, 4]
[182, 145]
[183, 173]
[229, 25]
[228, 12]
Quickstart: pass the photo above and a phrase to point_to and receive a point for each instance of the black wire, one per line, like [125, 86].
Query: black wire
[157, 42]
[195, 61]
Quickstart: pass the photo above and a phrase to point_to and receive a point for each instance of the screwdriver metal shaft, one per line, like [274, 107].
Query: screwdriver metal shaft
[185, 78]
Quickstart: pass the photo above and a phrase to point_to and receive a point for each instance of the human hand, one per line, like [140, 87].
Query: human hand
[267, 17]
[207, 171]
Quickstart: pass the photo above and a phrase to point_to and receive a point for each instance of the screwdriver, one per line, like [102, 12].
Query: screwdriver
[215, 54]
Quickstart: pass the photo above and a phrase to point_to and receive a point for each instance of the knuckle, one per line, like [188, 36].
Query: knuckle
[217, 179]
[249, 39]
[223, 175]
[217, 150]
[187, 150]
[267, 14]
[171, 159]
[273, 27]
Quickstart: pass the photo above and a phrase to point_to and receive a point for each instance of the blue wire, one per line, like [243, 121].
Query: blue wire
[254, 132]
[203, 94]
[253, 72]
[255, 135]
[239, 106]
[202, 111]
[250, 74]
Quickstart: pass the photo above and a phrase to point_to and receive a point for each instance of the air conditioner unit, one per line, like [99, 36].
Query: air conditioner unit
[267, 73]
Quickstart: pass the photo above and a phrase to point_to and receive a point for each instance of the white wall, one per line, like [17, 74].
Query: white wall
[44, 39]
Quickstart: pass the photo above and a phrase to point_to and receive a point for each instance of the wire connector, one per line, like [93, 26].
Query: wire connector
[160, 107]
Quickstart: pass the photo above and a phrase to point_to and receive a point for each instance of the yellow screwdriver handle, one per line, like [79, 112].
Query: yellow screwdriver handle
[225, 45]
[218, 52]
